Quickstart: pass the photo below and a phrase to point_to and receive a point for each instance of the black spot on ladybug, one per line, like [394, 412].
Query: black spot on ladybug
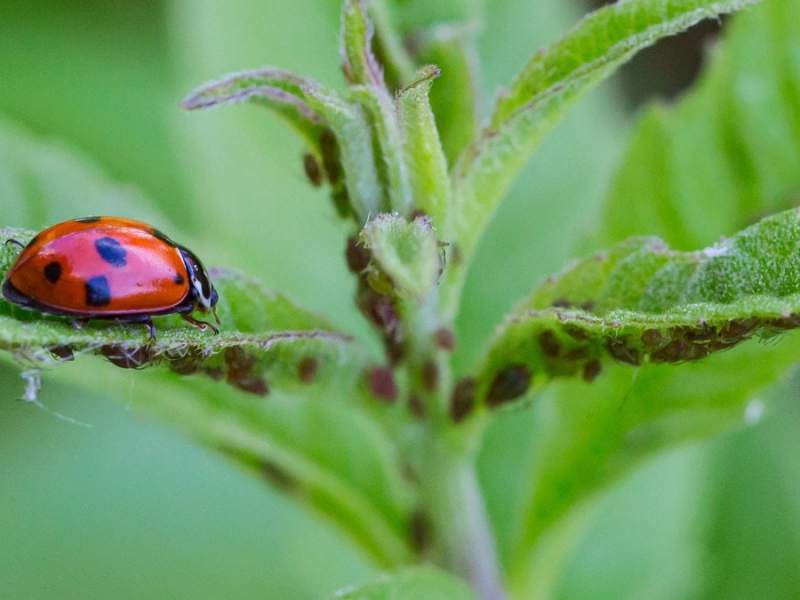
[111, 251]
[162, 236]
[509, 384]
[98, 292]
[87, 219]
[178, 279]
[52, 272]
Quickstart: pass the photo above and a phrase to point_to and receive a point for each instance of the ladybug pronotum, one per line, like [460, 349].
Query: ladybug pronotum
[110, 268]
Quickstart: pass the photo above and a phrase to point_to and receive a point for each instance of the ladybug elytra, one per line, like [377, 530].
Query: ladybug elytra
[110, 268]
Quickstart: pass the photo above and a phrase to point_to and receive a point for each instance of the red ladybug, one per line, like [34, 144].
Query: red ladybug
[110, 268]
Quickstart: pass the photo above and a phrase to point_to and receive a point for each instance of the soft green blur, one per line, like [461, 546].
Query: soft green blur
[129, 509]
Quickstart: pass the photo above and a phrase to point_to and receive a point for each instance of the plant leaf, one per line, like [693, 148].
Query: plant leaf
[641, 302]
[351, 128]
[410, 584]
[547, 87]
[312, 375]
[587, 437]
[358, 61]
[423, 150]
[276, 89]
[727, 153]
[384, 118]
[406, 251]
[456, 98]
[265, 339]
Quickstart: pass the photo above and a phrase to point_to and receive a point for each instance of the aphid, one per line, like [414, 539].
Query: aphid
[313, 169]
[110, 268]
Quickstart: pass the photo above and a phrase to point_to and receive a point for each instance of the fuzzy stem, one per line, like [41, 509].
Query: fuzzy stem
[465, 541]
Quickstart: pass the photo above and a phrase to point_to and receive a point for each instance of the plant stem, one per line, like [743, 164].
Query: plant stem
[465, 541]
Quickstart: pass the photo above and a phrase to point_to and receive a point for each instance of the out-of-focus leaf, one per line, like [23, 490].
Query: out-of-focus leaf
[587, 436]
[642, 302]
[276, 89]
[405, 251]
[456, 96]
[423, 150]
[42, 183]
[411, 584]
[727, 153]
[549, 85]
[358, 61]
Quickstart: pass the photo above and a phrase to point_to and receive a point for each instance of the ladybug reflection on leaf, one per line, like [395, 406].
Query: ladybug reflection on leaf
[110, 268]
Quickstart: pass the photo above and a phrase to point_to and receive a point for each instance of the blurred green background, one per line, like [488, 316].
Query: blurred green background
[129, 509]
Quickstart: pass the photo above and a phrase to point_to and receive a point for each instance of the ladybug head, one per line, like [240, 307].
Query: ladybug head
[200, 288]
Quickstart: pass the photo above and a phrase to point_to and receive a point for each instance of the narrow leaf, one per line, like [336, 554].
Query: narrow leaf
[410, 584]
[641, 302]
[359, 62]
[276, 89]
[384, 119]
[423, 150]
[548, 86]
[456, 98]
[354, 137]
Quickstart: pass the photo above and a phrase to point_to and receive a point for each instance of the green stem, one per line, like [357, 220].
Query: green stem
[465, 541]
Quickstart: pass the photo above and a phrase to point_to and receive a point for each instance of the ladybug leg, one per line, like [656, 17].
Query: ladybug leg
[199, 324]
[151, 330]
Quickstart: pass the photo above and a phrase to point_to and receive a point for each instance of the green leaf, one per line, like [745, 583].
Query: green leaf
[728, 152]
[588, 436]
[551, 82]
[456, 98]
[423, 150]
[44, 182]
[641, 302]
[276, 89]
[405, 251]
[411, 584]
[298, 393]
[265, 340]
[351, 128]
[358, 61]
[384, 118]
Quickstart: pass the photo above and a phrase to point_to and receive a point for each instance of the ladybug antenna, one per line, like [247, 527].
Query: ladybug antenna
[216, 316]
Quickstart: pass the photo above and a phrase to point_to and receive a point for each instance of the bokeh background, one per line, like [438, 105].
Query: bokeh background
[130, 509]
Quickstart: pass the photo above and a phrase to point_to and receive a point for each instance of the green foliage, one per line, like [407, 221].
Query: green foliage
[385, 447]
[410, 584]
[551, 82]
[641, 302]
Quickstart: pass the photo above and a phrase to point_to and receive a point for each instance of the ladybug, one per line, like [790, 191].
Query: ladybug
[110, 268]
